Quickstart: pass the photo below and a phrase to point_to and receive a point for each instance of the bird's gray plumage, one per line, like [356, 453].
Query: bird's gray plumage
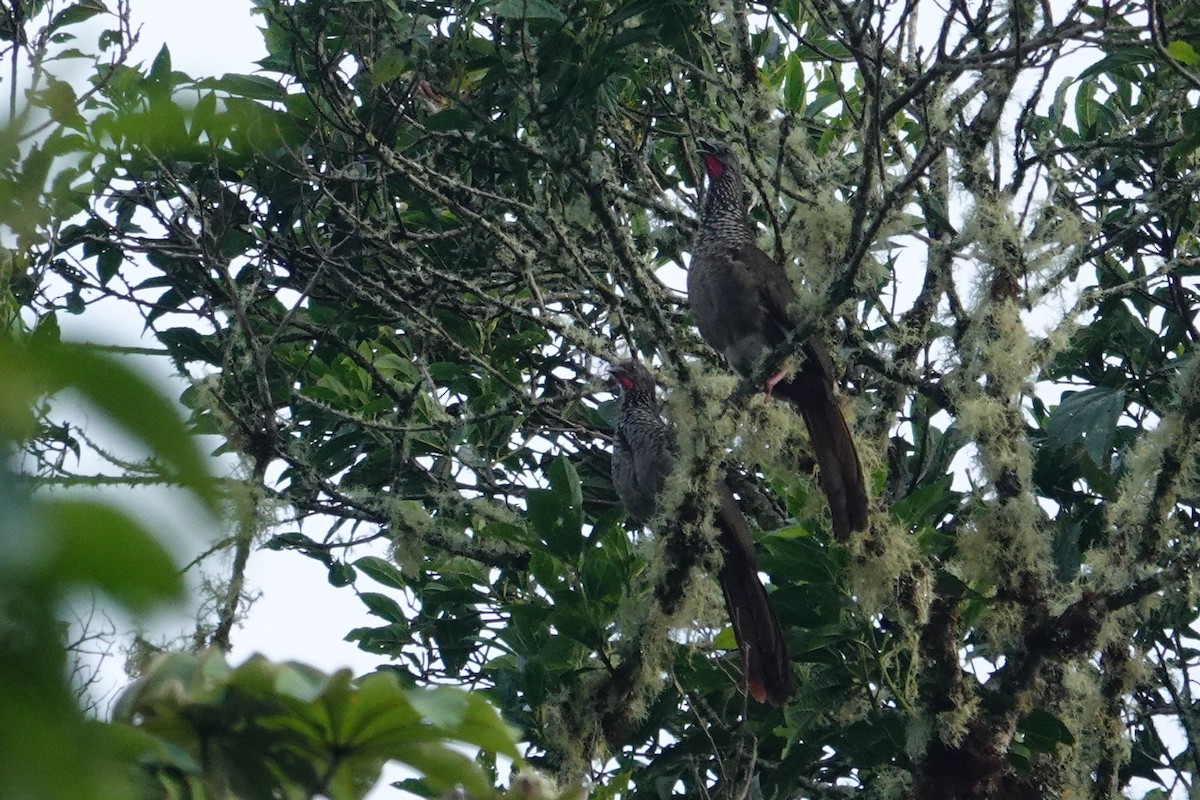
[642, 448]
[741, 301]
[643, 457]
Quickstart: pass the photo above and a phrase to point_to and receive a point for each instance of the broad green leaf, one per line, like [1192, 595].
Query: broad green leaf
[256, 87]
[160, 70]
[108, 263]
[564, 480]
[301, 682]
[725, 640]
[102, 547]
[113, 388]
[528, 9]
[60, 100]
[929, 503]
[382, 571]
[1066, 551]
[341, 574]
[385, 640]
[1090, 415]
[794, 85]
[444, 769]
[383, 606]
[555, 522]
[389, 66]
[75, 13]
[47, 331]
[444, 708]
[1044, 732]
[1183, 51]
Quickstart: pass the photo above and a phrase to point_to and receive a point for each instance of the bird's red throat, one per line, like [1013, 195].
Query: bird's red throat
[713, 165]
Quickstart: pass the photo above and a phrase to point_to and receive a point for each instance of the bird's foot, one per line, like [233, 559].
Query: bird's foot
[772, 381]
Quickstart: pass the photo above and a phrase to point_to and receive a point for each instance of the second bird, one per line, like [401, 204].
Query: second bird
[643, 457]
[741, 299]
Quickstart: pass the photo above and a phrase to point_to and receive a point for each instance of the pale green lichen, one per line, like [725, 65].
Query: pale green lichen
[952, 726]
[819, 241]
[409, 526]
[993, 231]
[999, 347]
[1057, 339]
[1137, 502]
[890, 783]
[879, 559]
[701, 430]
[575, 728]
[1083, 707]
[1006, 545]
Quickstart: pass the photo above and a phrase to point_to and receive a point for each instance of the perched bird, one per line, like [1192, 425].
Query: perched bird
[740, 299]
[643, 457]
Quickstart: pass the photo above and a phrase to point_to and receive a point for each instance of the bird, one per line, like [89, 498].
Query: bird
[643, 457]
[740, 299]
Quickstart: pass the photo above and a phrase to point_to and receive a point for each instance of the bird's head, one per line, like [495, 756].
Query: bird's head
[718, 158]
[631, 377]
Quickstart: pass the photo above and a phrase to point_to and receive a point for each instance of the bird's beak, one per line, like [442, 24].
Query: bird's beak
[617, 378]
[711, 154]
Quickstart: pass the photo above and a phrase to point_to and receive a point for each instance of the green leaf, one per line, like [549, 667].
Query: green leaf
[444, 769]
[296, 681]
[1066, 551]
[1091, 415]
[103, 547]
[481, 725]
[47, 331]
[341, 574]
[1044, 732]
[255, 87]
[107, 264]
[564, 480]
[160, 70]
[451, 119]
[75, 13]
[929, 503]
[725, 640]
[60, 100]
[383, 606]
[528, 9]
[385, 640]
[391, 65]
[128, 399]
[794, 85]
[137, 406]
[465, 716]
[444, 709]
[189, 344]
[1183, 52]
[382, 571]
[549, 514]
[271, 726]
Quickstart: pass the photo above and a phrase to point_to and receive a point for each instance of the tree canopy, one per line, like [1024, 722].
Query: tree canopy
[394, 263]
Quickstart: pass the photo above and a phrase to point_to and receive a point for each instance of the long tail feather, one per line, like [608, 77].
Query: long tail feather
[833, 446]
[765, 661]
